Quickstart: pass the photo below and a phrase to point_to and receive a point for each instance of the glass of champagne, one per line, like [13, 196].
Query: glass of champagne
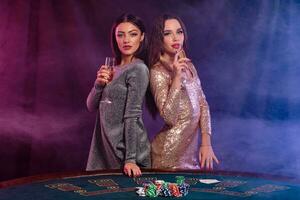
[109, 63]
[184, 75]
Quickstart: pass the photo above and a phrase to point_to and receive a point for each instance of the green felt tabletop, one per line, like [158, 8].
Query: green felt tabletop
[117, 186]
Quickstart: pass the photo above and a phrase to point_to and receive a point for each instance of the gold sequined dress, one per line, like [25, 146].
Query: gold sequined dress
[184, 110]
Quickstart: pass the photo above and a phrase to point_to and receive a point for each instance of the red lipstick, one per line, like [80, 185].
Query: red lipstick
[176, 46]
[127, 47]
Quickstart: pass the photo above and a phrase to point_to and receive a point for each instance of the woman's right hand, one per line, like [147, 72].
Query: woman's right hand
[103, 75]
[180, 65]
[132, 170]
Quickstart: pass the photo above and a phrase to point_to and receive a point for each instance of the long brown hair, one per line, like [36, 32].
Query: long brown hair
[141, 52]
[157, 38]
[156, 49]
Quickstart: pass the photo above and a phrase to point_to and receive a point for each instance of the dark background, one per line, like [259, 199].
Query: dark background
[246, 53]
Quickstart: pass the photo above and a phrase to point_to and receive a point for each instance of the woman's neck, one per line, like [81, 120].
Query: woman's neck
[169, 58]
[127, 59]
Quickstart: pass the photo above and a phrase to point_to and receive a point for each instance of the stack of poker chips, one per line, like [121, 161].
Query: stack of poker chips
[164, 189]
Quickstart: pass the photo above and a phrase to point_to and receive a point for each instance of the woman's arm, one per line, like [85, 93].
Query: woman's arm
[206, 153]
[137, 82]
[166, 95]
[205, 119]
[94, 97]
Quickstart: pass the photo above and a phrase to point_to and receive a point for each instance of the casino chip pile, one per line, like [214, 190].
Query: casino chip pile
[164, 189]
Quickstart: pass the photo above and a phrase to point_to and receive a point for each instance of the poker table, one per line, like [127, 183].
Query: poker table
[113, 184]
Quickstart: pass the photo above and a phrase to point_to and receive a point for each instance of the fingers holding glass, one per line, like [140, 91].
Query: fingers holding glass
[181, 71]
[110, 64]
[181, 66]
[103, 75]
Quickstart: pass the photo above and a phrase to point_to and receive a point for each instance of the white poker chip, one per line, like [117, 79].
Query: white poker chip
[141, 193]
[159, 182]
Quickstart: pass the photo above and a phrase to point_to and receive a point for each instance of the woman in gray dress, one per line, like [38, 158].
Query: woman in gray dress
[120, 139]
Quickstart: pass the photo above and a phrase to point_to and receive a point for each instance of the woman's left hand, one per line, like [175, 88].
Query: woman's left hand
[132, 170]
[207, 157]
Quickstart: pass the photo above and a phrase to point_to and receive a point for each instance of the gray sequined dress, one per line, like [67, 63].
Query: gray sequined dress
[119, 135]
[184, 111]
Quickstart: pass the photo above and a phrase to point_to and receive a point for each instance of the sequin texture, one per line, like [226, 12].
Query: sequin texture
[184, 111]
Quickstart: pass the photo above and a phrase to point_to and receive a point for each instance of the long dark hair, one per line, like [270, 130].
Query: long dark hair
[157, 38]
[156, 50]
[141, 52]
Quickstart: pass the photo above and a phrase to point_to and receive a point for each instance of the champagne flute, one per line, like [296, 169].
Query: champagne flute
[109, 63]
[184, 75]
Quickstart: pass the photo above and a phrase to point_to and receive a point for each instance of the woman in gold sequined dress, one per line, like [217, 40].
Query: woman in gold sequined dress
[180, 100]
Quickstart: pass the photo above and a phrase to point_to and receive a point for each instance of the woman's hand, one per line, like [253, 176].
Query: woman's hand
[103, 75]
[132, 170]
[180, 64]
[207, 157]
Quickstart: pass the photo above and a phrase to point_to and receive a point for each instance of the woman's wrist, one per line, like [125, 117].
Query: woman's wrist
[205, 145]
[177, 82]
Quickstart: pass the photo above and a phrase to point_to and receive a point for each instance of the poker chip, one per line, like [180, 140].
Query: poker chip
[141, 191]
[164, 189]
[174, 190]
[151, 191]
[179, 179]
[159, 182]
[184, 189]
